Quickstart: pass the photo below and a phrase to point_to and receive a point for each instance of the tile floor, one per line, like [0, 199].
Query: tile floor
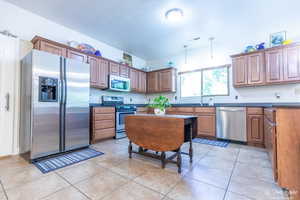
[234, 173]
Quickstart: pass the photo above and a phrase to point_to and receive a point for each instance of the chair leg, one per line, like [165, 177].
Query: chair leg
[130, 149]
[191, 144]
[179, 160]
[141, 149]
[163, 159]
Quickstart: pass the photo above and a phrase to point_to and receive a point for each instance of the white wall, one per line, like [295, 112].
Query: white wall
[200, 58]
[27, 25]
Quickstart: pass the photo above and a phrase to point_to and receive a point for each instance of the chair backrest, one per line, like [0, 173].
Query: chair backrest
[155, 132]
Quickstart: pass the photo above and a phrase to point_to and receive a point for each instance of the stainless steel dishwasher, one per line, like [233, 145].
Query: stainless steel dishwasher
[231, 123]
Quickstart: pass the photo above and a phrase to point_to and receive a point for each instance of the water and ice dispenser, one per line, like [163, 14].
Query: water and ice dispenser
[48, 89]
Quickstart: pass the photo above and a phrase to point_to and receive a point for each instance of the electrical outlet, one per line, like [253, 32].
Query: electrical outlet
[236, 97]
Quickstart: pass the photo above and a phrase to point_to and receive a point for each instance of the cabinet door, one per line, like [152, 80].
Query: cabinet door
[103, 73]
[240, 71]
[274, 66]
[94, 71]
[114, 69]
[255, 130]
[207, 125]
[291, 63]
[52, 48]
[142, 82]
[124, 71]
[165, 81]
[76, 55]
[134, 80]
[152, 82]
[271, 144]
[256, 69]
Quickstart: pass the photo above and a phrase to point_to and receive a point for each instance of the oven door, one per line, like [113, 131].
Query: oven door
[120, 122]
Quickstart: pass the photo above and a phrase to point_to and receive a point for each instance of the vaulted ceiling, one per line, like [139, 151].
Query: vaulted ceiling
[139, 26]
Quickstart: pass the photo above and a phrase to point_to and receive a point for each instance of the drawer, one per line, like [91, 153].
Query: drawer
[255, 111]
[104, 134]
[185, 109]
[270, 114]
[99, 117]
[104, 110]
[171, 110]
[142, 109]
[211, 110]
[104, 124]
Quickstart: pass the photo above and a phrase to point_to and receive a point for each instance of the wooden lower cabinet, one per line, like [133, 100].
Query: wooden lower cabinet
[288, 150]
[255, 127]
[207, 125]
[270, 138]
[206, 121]
[103, 123]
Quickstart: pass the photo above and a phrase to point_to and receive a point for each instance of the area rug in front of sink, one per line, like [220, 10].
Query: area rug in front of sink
[211, 142]
[57, 162]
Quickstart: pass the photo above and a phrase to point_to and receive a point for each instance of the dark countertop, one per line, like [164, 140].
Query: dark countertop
[266, 105]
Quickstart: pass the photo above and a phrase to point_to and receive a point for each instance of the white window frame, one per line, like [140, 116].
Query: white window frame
[201, 92]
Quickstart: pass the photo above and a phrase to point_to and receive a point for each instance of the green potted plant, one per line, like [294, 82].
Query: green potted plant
[160, 104]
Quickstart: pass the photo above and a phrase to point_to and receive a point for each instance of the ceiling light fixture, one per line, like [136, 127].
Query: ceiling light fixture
[174, 14]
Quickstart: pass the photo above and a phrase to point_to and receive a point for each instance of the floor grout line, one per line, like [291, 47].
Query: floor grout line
[185, 175]
[73, 186]
[4, 191]
[235, 162]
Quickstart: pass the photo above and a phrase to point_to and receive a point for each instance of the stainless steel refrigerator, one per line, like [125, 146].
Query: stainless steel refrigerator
[54, 104]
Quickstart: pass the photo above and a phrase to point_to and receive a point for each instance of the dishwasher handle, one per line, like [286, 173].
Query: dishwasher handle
[224, 109]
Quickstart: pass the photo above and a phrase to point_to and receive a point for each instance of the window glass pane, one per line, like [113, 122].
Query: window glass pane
[190, 84]
[215, 81]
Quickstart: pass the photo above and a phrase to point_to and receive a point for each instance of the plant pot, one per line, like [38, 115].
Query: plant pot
[158, 111]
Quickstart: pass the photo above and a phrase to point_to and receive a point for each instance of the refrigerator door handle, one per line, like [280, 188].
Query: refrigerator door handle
[59, 91]
[64, 92]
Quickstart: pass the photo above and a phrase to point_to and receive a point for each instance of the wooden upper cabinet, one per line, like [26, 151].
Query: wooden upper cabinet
[166, 80]
[134, 80]
[51, 48]
[103, 73]
[152, 82]
[161, 81]
[291, 63]
[240, 71]
[142, 82]
[114, 68]
[124, 71]
[256, 69]
[94, 71]
[99, 72]
[76, 55]
[274, 65]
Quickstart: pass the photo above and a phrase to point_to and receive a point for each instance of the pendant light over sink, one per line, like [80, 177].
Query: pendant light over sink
[174, 15]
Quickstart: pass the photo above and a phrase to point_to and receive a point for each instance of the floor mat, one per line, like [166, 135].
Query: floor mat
[211, 142]
[50, 164]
